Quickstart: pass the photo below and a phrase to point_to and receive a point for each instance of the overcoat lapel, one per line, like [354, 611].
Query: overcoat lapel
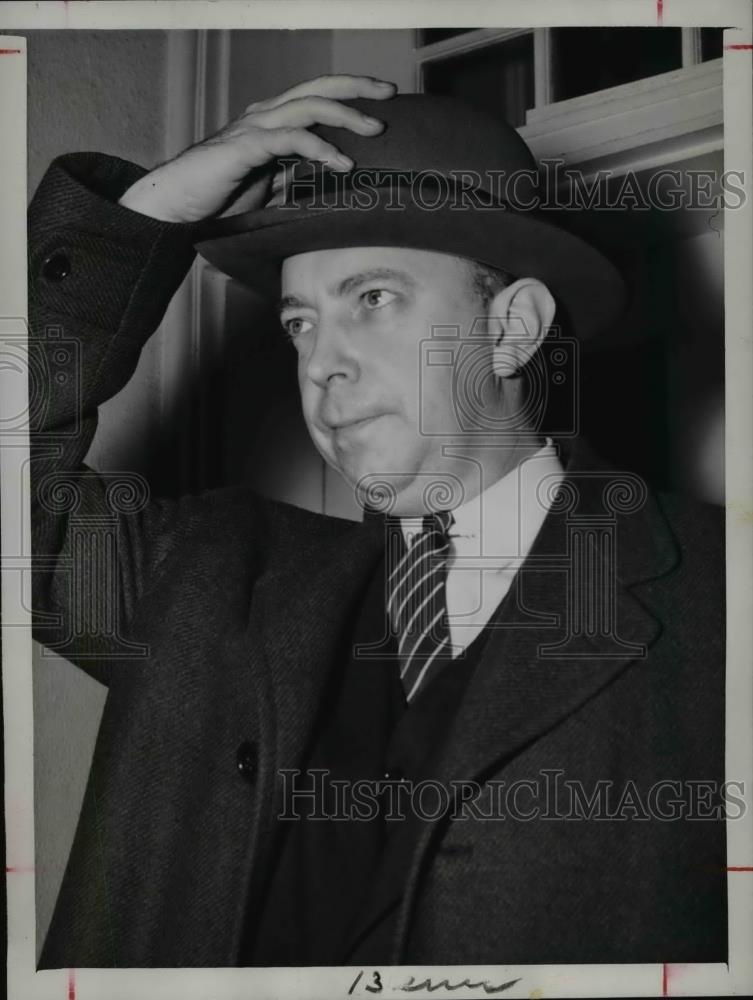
[579, 571]
[303, 634]
[531, 676]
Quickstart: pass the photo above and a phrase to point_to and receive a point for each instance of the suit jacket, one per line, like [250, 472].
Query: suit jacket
[218, 621]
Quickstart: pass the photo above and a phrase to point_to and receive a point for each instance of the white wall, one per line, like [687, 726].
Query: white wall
[68, 708]
[104, 91]
[385, 54]
[95, 90]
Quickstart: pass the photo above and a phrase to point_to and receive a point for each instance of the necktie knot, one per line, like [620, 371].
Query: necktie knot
[438, 523]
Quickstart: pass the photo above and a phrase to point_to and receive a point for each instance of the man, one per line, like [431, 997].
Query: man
[515, 628]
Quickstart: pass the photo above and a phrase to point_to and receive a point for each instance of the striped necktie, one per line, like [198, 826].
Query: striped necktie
[417, 603]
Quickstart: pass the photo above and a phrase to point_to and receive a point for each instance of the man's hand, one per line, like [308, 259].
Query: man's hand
[235, 170]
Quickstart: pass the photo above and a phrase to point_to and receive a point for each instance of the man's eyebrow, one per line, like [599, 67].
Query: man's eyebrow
[352, 281]
[290, 302]
[373, 274]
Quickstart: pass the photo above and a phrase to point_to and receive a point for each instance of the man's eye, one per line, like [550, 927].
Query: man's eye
[375, 298]
[296, 326]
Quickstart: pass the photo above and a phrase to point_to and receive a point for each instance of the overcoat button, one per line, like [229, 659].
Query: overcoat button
[246, 758]
[56, 267]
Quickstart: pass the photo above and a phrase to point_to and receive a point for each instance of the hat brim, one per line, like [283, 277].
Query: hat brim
[251, 246]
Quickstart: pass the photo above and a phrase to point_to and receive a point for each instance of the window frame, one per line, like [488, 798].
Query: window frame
[652, 121]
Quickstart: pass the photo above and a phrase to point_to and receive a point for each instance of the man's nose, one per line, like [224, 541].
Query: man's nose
[333, 354]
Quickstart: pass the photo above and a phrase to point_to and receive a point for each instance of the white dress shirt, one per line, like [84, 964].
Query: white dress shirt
[490, 538]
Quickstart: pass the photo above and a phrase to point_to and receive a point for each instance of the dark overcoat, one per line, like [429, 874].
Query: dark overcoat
[218, 616]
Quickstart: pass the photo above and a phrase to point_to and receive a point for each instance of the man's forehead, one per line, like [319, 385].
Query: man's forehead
[333, 267]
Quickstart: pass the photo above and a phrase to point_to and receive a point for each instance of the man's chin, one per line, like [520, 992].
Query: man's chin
[377, 475]
[385, 492]
[375, 484]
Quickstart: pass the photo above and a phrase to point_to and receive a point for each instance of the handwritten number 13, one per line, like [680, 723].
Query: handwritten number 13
[374, 987]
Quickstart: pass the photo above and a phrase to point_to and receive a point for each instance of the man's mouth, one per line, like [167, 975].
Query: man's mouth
[351, 423]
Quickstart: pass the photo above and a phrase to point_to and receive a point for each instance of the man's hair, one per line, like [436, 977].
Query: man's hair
[487, 280]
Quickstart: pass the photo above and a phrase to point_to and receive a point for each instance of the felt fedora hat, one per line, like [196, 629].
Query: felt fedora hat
[442, 176]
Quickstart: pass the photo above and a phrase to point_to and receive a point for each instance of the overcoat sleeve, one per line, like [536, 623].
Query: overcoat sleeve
[100, 279]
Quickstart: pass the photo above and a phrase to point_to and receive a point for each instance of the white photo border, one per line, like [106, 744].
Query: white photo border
[330, 983]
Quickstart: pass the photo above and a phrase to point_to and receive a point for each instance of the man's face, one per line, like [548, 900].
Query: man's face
[357, 318]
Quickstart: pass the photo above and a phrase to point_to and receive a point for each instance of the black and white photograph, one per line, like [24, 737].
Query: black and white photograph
[376, 525]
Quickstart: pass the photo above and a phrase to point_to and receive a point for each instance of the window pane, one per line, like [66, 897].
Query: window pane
[711, 43]
[496, 78]
[589, 59]
[427, 36]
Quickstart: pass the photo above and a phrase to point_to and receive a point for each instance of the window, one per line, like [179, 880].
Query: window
[497, 78]
[427, 36]
[584, 60]
[510, 72]
[711, 43]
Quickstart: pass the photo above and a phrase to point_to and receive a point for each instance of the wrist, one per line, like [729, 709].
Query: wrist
[145, 198]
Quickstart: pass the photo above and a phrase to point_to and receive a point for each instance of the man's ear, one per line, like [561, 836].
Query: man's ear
[518, 320]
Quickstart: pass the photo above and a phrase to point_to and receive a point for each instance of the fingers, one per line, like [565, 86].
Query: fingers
[300, 142]
[279, 127]
[339, 87]
[278, 198]
[305, 111]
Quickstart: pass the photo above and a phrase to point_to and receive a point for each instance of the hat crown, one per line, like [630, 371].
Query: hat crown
[430, 132]
[425, 135]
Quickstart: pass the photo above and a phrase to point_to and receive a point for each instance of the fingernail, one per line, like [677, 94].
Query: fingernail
[372, 122]
[345, 161]
[385, 84]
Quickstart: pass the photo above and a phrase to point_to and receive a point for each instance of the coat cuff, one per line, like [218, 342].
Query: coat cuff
[99, 271]
[80, 191]
[116, 258]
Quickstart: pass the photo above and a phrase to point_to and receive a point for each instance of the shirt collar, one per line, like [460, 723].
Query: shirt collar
[503, 519]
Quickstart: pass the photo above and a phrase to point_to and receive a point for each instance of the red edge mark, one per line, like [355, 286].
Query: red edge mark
[71, 984]
[659, 12]
[740, 868]
[10, 52]
[665, 980]
[738, 47]
[16, 869]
